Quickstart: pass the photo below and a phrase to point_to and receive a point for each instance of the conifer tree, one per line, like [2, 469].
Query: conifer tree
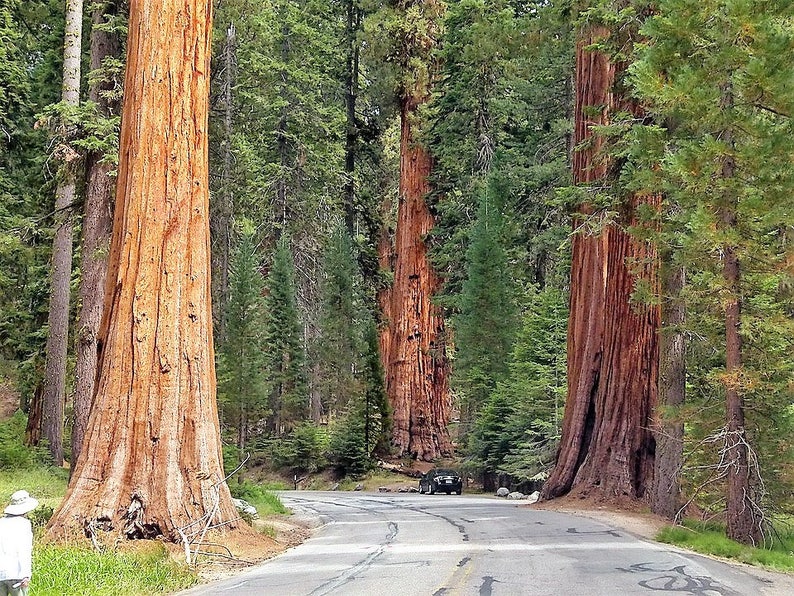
[242, 363]
[340, 340]
[286, 359]
[485, 326]
[717, 70]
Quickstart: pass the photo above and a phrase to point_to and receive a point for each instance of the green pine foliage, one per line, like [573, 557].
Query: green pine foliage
[340, 340]
[29, 80]
[518, 429]
[696, 56]
[486, 323]
[285, 356]
[242, 365]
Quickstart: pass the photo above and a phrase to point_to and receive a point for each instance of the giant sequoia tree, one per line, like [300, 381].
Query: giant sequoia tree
[151, 462]
[414, 344]
[607, 445]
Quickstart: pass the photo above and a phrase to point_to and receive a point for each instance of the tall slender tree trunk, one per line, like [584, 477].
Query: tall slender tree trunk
[222, 204]
[151, 461]
[353, 26]
[97, 229]
[744, 516]
[669, 429]
[607, 446]
[58, 318]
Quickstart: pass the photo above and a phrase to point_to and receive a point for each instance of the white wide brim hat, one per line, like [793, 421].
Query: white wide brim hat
[21, 503]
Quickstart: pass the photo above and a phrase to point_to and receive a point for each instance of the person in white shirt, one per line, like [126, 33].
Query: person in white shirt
[16, 545]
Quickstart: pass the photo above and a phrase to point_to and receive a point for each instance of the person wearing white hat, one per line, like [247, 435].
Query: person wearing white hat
[16, 545]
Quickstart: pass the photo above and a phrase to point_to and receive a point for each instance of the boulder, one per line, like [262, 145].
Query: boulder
[502, 492]
[534, 497]
[516, 496]
[359, 486]
[384, 489]
[335, 486]
[244, 507]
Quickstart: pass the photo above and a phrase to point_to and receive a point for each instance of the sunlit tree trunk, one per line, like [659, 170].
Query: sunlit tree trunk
[151, 461]
[58, 318]
[415, 359]
[97, 228]
[607, 446]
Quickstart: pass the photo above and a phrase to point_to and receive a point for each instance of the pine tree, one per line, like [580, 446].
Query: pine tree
[286, 359]
[339, 344]
[716, 73]
[486, 324]
[242, 364]
[518, 429]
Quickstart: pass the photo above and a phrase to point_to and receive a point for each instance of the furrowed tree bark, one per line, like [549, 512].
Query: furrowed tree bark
[151, 461]
[669, 429]
[58, 318]
[417, 368]
[607, 446]
[97, 228]
[744, 516]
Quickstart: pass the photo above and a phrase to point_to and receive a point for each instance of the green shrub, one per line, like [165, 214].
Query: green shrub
[266, 503]
[14, 454]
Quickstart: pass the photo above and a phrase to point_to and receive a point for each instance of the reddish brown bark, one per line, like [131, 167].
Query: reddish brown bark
[669, 429]
[417, 370]
[97, 228]
[743, 514]
[607, 446]
[151, 461]
[413, 342]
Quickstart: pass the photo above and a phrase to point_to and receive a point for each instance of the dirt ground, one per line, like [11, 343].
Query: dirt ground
[269, 537]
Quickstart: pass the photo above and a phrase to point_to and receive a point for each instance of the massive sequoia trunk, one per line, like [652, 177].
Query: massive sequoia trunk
[607, 446]
[414, 348]
[54, 393]
[417, 372]
[97, 228]
[151, 461]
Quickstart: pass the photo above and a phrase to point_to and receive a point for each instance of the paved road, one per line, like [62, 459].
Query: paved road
[409, 544]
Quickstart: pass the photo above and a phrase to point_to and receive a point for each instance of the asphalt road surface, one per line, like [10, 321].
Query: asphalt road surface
[434, 545]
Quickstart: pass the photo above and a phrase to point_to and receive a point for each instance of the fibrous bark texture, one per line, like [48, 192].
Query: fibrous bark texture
[151, 461]
[54, 394]
[97, 229]
[417, 367]
[669, 429]
[607, 445]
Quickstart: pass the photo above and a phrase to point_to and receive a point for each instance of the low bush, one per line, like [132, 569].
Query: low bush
[266, 503]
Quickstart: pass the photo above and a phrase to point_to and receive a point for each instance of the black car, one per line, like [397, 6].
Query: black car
[441, 481]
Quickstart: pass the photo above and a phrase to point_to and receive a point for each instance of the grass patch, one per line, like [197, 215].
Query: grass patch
[62, 570]
[710, 539]
[266, 503]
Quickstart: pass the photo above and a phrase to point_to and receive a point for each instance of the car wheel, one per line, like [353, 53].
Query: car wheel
[421, 490]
